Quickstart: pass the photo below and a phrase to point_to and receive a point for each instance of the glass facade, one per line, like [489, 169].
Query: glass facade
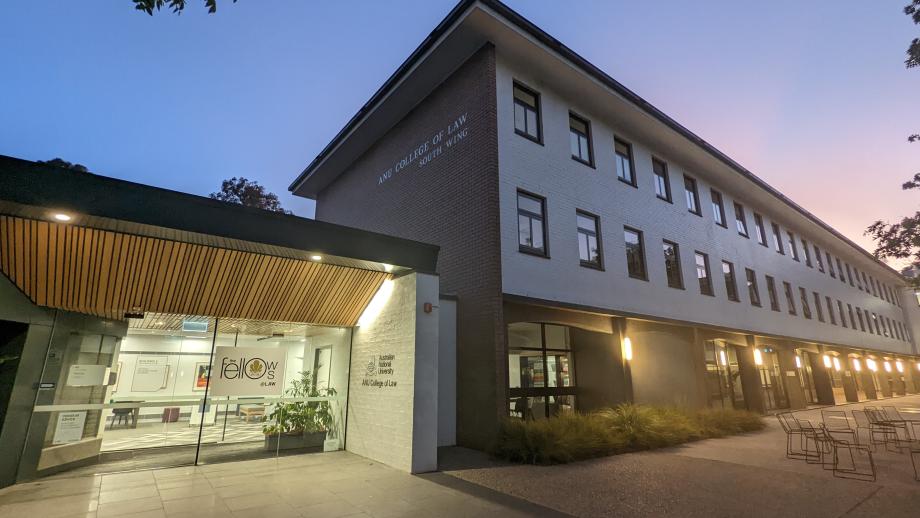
[541, 370]
[185, 390]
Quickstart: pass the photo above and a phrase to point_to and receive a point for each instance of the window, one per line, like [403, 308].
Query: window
[672, 265]
[531, 224]
[761, 232]
[740, 220]
[635, 253]
[794, 250]
[818, 259]
[878, 330]
[753, 292]
[702, 273]
[884, 326]
[830, 309]
[843, 318]
[580, 139]
[527, 113]
[840, 269]
[830, 264]
[865, 281]
[541, 370]
[887, 293]
[806, 308]
[807, 253]
[874, 286]
[589, 243]
[790, 299]
[693, 198]
[862, 324]
[771, 293]
[850, 275]
[777, 241]
[850, 315]
[818, 310]
[731, 287]
[718, 209]
[624, 161]
[662, 182]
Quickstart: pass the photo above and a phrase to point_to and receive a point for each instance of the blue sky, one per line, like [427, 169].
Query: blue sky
[811, 96]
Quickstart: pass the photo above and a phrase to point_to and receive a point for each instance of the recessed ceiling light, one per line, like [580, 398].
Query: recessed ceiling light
[60, 216]
[316, 257]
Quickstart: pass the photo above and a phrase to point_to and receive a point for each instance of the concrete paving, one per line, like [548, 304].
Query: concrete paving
[745, 475]
[328, 485]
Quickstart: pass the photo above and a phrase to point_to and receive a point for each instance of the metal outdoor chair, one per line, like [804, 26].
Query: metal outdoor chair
[794, 432]
[877, 434]
[914, 455]
[861, 465]
[838, 426]
[823, 452]
[894, 432]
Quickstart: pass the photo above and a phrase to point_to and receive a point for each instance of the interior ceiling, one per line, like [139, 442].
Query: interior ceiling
[108, 274]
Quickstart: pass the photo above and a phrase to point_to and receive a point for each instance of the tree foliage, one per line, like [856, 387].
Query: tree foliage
[902, 240]
[249, 193]
[59, 162]
[177, 6]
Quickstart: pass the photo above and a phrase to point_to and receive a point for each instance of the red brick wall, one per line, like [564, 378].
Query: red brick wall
[451, 201]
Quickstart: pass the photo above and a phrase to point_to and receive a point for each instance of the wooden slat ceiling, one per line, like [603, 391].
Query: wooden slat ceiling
[106, 274]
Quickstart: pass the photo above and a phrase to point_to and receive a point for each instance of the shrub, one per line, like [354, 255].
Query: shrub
[616, 430]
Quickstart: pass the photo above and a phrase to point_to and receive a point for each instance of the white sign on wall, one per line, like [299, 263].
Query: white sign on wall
[69, 427]
[87, 375]
[150, 373]
[247, 371]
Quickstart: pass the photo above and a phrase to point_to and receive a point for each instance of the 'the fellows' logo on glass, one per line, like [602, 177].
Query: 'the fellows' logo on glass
[249, 368]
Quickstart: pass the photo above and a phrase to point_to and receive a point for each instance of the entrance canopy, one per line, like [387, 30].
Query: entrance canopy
[110, 248]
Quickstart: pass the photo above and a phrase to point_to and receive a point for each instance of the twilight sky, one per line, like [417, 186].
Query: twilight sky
[811, 96]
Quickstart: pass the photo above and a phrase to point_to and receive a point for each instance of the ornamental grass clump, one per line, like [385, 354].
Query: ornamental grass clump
[610, 431]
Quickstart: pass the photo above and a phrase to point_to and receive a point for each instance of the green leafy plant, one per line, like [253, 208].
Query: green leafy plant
[299, 417]
[621, 429]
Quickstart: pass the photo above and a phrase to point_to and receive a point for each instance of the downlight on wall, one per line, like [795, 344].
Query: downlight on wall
[758, 357]
[827, 361]
[900, 366]
[856, 365]
[871, 364]
[887, 366]
[376, 305]
[798, 362]
[61, 216]
[836, 364]
[627, 349]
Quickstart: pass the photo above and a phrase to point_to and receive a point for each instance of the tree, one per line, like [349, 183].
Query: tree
[902, 240]
[249, 193]
[177, 6]
[59, 162]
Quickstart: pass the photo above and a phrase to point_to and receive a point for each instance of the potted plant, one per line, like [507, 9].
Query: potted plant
[299, 424]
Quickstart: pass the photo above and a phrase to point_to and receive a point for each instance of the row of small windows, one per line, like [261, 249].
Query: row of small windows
[532, 240]
[527, 123]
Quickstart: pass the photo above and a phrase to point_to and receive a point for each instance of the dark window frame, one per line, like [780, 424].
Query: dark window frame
[772, 294]
[793, 249]
[819, 311]
[818, 258]
[644, 273]
[790, 298]
[731, 281]
[718, 208]
[666, 180]
[761, 231]
[536, 109]
[588, 136]
[530, 250]
[708, 290]
[697, 210]
[630, 159]
[778, 239]
[806, 252]
[753, 291]
[679, 270]
[806, 307]
[599, 264]
[830, 310]
[741, 221]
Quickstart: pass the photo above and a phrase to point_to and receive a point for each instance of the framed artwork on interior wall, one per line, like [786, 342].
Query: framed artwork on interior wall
[202, 373]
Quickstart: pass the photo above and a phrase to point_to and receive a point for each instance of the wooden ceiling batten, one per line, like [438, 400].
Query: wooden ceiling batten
[108, 273]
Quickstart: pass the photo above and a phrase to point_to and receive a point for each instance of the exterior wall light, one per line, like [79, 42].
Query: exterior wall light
[758, 357]
[898, 365]
[798, 362]
[60, 216]
[316, 257]
[887, 366]
[871, 364]
[836, 364]
[918, 366]
[856, 365]
[725, 360]
[827, 362]
[627, 349]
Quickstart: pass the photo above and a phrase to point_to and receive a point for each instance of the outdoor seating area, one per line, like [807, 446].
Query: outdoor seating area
[848, 442]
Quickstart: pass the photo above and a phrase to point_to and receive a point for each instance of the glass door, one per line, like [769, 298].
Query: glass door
[803, 363]
[723, 376]
[774, 394]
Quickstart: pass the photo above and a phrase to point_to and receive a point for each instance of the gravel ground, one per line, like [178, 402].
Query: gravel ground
[737, 476]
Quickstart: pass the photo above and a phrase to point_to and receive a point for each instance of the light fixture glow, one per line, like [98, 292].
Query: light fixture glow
[871, 364]
[827, 361]
[60, 216]
[900, 366]
[798, 362]
[387, 267]
[377, 303]
[758, 357]
[722, 357]
[887, 366]
[316, 257]
[836, 364]
[856, 365]
[627, 349]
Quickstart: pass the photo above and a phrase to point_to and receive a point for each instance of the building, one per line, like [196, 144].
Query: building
[599, 251]
[141, 328]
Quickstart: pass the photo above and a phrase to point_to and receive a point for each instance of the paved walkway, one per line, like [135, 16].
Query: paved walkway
[327, 485]
[737, 476]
